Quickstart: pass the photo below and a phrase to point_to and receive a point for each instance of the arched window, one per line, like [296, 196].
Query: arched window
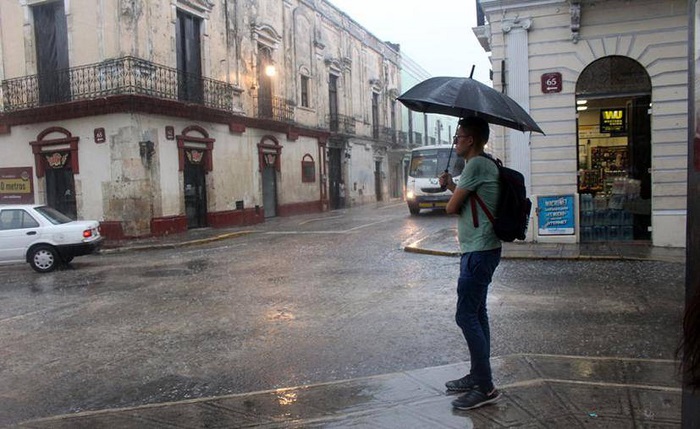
[308, 169]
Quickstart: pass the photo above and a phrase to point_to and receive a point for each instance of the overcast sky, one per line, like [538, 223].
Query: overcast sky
[437, 34]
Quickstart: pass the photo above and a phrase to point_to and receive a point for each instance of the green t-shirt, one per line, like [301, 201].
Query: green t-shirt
[480, 175]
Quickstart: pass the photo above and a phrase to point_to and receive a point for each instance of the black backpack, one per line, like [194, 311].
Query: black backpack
[513, 210]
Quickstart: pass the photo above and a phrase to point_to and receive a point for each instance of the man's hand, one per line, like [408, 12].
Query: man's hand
[446, 181]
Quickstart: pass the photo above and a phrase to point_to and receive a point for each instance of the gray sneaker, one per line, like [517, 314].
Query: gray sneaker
[463, 384]
[476, 398]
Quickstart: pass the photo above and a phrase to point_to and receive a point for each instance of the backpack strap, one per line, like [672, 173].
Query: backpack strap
[474, 200]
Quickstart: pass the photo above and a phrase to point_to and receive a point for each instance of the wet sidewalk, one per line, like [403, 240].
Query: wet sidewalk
[444, 243]
[539, 391]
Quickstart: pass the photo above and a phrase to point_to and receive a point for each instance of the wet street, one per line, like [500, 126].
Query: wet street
[301, 300]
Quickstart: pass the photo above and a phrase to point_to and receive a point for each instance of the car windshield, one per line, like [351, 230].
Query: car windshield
[432, 162]
[53, 215]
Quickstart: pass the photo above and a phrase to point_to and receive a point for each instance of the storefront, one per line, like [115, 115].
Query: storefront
[608, 84]
[613, 104]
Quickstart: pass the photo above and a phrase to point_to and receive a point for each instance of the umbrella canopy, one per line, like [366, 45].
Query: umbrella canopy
[462, 97]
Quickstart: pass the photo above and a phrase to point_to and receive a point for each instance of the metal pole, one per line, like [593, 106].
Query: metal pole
[425, 129]
[690, 414]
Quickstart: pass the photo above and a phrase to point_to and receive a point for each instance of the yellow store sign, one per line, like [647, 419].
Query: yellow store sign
[16, 185]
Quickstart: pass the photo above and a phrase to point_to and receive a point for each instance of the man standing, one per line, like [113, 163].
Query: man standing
[481, 253]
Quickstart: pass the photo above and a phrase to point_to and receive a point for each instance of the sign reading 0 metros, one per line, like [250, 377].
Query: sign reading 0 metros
[16, 185]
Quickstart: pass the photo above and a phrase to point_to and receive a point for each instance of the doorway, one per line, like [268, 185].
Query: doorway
[51, 34]
[378, 185]
[269, 178]
[614, 150]
[195, 194]
[60, 185]
[334, 177]
[189, 57]
[265, 102]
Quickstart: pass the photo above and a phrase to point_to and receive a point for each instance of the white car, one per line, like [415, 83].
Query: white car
[44, 237]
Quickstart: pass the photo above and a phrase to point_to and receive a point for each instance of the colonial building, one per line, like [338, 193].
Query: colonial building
[155, 116]
[607, 81]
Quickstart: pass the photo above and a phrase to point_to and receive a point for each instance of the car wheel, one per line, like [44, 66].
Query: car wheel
[414, 210]
[43, 258]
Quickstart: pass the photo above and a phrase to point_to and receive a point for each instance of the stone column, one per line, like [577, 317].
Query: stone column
[518, 88]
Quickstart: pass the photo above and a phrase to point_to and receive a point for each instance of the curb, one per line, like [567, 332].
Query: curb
[176, 244]
[422, 251]
[413, 249]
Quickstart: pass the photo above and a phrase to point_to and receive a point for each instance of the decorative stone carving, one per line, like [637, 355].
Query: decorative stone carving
[575, 11]
[198, 5]
[508, 24]
[266, 35]
[333, 64]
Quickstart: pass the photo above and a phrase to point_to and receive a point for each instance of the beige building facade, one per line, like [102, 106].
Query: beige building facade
[607, 81]
[158, 116]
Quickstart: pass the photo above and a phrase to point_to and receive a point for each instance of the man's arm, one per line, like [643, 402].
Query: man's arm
[459, 195]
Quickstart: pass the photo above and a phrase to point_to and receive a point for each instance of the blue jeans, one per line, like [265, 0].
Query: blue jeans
[475, 273]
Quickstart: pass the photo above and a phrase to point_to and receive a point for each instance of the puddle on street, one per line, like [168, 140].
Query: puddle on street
[195, 266]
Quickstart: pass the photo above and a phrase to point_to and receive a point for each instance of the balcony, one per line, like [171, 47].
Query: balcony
[275, 108]
[403, 138]
[340, 124]
[120, 76]
[387, 134]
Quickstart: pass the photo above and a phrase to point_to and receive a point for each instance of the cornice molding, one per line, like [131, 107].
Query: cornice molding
[496, 5]
[198, 5]
[266, 35]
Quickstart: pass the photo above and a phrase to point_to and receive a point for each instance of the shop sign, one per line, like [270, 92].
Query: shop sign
[613, 121]
[556, 215]
[550, 82]
[16, 185]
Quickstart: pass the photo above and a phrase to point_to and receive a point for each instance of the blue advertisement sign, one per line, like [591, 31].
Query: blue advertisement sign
[556, 215]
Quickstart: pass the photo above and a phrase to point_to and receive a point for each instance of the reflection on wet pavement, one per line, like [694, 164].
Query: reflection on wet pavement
[540, 391]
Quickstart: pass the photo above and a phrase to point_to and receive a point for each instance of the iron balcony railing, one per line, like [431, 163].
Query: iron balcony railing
[387, 134]
[340, 123]
[276, 108]
[120, 76]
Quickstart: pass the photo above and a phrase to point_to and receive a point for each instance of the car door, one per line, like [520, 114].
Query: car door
[18, 230]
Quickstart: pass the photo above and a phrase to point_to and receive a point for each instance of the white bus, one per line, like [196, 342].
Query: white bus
[422, 185]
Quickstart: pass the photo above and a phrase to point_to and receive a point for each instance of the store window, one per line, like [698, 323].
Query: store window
[308, 169]
[613, 96]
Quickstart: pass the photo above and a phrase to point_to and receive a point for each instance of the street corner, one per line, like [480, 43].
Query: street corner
[442, 242]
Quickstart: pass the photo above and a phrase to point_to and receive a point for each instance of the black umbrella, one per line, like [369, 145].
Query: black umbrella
[464, 96]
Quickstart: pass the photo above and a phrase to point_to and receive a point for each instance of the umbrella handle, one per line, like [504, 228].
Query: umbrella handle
[447, 169]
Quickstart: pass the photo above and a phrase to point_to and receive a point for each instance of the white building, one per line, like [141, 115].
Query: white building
[155, 116]
[608, 83]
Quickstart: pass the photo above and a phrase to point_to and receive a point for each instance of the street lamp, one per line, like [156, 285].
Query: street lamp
[270, 70]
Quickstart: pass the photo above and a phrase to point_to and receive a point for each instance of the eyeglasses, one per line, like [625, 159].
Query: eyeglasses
[456, 137]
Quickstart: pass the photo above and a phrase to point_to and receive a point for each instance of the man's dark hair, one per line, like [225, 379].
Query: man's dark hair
[478, 127]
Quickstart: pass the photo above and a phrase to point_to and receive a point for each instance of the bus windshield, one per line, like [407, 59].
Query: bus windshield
[432, 162]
